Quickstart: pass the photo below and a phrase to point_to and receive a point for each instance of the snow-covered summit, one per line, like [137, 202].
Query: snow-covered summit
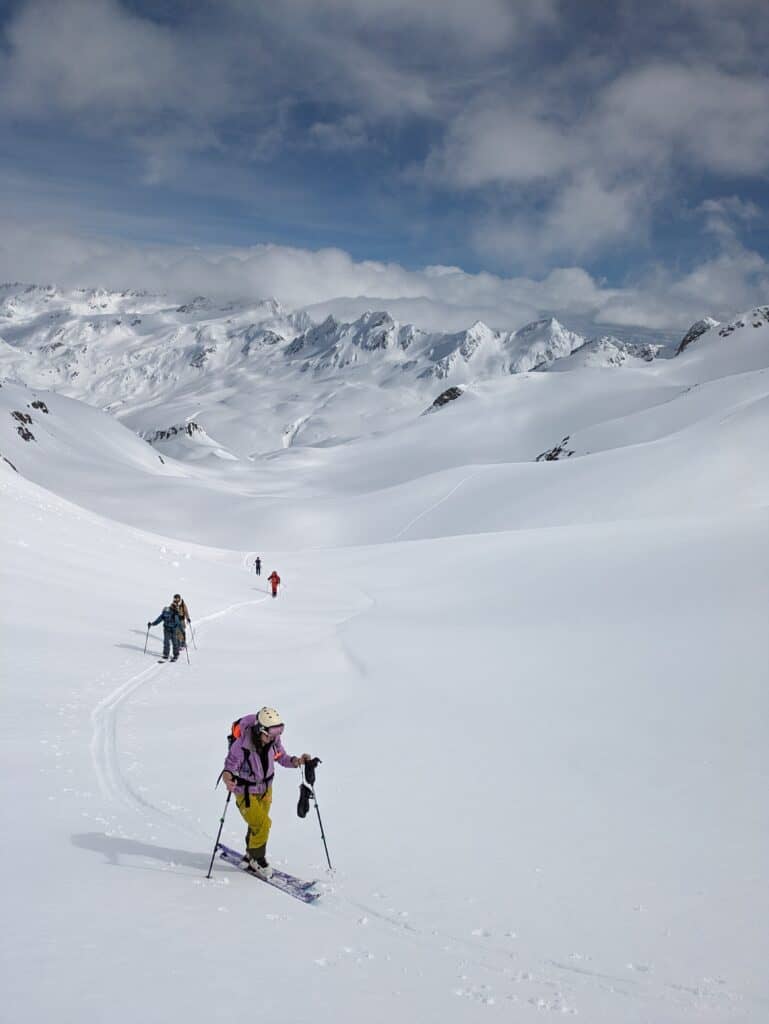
[154, 361]
[539, 344]
[86, 341]
[698, 328]
[608, 351]
[256, 373]
[756, 318]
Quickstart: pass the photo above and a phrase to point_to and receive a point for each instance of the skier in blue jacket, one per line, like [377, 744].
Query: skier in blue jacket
[172, 625]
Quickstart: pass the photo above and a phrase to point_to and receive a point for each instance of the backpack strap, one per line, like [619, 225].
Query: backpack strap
[242, 782]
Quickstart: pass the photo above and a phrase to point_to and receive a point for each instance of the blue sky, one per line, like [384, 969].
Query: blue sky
[604, 160]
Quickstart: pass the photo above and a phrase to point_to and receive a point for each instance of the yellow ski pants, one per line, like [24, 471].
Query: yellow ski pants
[257, 817]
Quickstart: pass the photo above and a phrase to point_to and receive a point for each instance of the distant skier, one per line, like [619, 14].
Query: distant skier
[258, 566]
[274, 581]
[183, 612]
[248, 772]
[171, 627]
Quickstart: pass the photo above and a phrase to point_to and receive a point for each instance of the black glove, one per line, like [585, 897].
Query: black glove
[149, 625]
[304, 801]
[305, 792]
[309, 770]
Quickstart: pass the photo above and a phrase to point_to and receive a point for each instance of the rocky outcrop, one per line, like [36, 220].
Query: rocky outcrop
[24, 420]
[560, 451]
[190, 429]
[758, 317]
[696, 331]
[449, 395]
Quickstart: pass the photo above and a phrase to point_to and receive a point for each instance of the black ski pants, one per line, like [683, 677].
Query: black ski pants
[170, 639]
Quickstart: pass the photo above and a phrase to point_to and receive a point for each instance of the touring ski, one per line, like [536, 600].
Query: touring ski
[294, 886]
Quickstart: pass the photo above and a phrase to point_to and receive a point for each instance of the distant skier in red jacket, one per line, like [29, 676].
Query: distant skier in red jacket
[274, 581]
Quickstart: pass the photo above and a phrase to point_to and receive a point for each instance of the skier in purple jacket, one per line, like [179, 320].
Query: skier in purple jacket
[248, 772]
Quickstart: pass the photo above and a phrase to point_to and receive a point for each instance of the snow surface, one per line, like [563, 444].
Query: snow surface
[254, 377]
[539, 690]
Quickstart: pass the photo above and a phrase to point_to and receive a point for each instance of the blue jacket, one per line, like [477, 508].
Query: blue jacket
[171, 619]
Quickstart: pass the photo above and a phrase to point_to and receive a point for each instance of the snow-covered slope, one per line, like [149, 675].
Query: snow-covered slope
[538, 688]
[43, 432]
[481, 450]
[253, 376]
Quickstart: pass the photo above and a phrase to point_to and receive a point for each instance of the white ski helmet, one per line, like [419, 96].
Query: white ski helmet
[267, 718]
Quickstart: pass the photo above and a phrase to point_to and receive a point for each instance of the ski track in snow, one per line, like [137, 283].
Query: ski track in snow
[435, 504]
[485, 971]
[104, 752]
[112, 782]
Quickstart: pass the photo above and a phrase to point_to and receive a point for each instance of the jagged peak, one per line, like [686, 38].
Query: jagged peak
[376, 318]
[480, 330]
[697, 329]
[538, 325]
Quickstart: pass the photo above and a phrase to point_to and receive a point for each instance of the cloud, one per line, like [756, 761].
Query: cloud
[560, 179]
[721, 287]
[700, 117]
[93, 68]
[535, 134]
[582, 217]
[491, 144]
[89, 59]
[388, 60]
[434, 297]
[723, 215]
[347, 134]
[404, 28]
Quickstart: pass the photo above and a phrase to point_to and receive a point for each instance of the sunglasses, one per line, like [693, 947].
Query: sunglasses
[273, 732]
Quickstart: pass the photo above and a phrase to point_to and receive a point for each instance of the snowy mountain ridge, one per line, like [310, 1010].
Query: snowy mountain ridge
[259, 378]
[379, 437]
[52, 333]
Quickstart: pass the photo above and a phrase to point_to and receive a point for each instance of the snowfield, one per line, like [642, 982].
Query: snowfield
[539, 689]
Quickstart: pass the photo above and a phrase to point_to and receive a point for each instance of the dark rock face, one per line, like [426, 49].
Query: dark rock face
[758, 318]
[23, 418]
[695, 331]
[24, 421]
[449, 395]
[190, 429]
[201, 355]
[560, 451]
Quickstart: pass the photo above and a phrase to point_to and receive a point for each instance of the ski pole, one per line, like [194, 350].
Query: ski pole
[187, 652]
[218, 834]
[146, 639]
[194, 641]
[309, 779]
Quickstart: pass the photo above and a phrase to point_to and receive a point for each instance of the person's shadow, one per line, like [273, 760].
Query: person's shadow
[145, 635]
[116, 850]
